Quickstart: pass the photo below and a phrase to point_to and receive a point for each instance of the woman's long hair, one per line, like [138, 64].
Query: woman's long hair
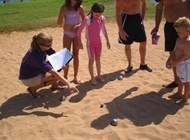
[40, 39]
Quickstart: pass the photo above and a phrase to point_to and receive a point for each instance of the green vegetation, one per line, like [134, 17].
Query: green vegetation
[22, 16]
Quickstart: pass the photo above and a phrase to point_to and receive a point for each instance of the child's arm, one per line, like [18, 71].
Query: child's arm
[61, 16]
[107, 39]
[106, 35]
[79, 31]
[185, 56]
[82, 15]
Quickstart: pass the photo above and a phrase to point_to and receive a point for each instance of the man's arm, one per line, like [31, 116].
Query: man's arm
[118, 10]
[143, 8]
[158, 16]
[159, 11]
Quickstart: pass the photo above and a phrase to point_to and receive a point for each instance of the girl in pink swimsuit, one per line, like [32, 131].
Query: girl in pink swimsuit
[95, 27]
[70, 14]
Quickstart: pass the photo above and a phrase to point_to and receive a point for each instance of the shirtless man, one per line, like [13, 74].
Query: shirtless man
[173, 9]
[129, 16]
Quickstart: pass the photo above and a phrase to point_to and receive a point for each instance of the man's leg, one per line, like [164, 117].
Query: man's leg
[142, 51]
[128, 56]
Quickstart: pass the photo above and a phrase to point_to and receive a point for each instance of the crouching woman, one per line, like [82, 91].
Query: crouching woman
[36, 72]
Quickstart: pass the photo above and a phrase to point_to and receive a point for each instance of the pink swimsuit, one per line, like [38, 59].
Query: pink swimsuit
[94, 31]
[72, 18]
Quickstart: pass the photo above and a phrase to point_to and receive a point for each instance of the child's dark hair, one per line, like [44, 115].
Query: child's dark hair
[97, 8]
[67, 4]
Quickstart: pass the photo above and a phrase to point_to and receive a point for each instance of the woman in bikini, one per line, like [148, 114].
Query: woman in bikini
[69, 16]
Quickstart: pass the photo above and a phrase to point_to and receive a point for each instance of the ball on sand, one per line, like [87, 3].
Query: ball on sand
[114, 122]
[120, 77]
[63, 98]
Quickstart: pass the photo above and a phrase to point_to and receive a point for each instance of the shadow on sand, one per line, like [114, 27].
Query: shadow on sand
[142, 110]
[87, 86]
[23, 104]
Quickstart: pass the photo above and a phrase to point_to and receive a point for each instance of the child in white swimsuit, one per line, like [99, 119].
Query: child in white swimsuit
[69, 16]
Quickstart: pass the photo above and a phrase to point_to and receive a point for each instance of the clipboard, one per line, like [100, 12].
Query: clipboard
[60, 59]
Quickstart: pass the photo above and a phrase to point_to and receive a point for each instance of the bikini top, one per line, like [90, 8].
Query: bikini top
[72, 17]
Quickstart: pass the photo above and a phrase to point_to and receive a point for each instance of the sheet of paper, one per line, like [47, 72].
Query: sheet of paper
[60, 58]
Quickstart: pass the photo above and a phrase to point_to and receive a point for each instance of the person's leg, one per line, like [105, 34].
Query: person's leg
[185, 97]
[91, 70]
[186, 90]
[178, 95]
[66, 44]
[128, 56]
[76, 61]
[98, 66]
[142, 51]
[175, 74]
[48, 80]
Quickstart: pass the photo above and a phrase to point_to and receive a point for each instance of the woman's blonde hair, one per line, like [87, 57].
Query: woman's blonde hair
[40, 39]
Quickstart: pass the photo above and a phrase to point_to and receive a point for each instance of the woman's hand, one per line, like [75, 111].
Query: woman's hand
[72, 88]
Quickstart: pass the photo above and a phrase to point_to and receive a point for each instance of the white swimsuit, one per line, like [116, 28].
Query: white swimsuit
[183, 71]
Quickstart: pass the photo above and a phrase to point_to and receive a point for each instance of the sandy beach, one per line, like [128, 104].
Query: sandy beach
[138, 101]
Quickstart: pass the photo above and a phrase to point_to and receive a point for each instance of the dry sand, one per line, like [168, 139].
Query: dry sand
[138, 102]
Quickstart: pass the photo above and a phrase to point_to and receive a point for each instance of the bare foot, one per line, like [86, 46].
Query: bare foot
[93, 82]
[77, 81]
[32, 93]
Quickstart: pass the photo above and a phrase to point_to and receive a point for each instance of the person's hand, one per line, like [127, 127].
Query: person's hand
[123, 34]
[75, 28]
[72, 88]
[154, 30]
[169, 64]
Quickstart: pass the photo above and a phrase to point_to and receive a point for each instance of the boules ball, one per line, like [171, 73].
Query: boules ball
[63, 98]
[114, 122]
[120, 77]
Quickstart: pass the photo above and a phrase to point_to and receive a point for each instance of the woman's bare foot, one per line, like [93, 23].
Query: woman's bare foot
[57, 86]
[32, 93]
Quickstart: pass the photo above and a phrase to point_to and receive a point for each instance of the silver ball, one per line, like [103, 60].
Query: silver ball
[114, 122]
[63, 98]
[120, 77]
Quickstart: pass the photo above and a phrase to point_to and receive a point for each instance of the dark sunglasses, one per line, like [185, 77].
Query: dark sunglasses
[47, 45]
